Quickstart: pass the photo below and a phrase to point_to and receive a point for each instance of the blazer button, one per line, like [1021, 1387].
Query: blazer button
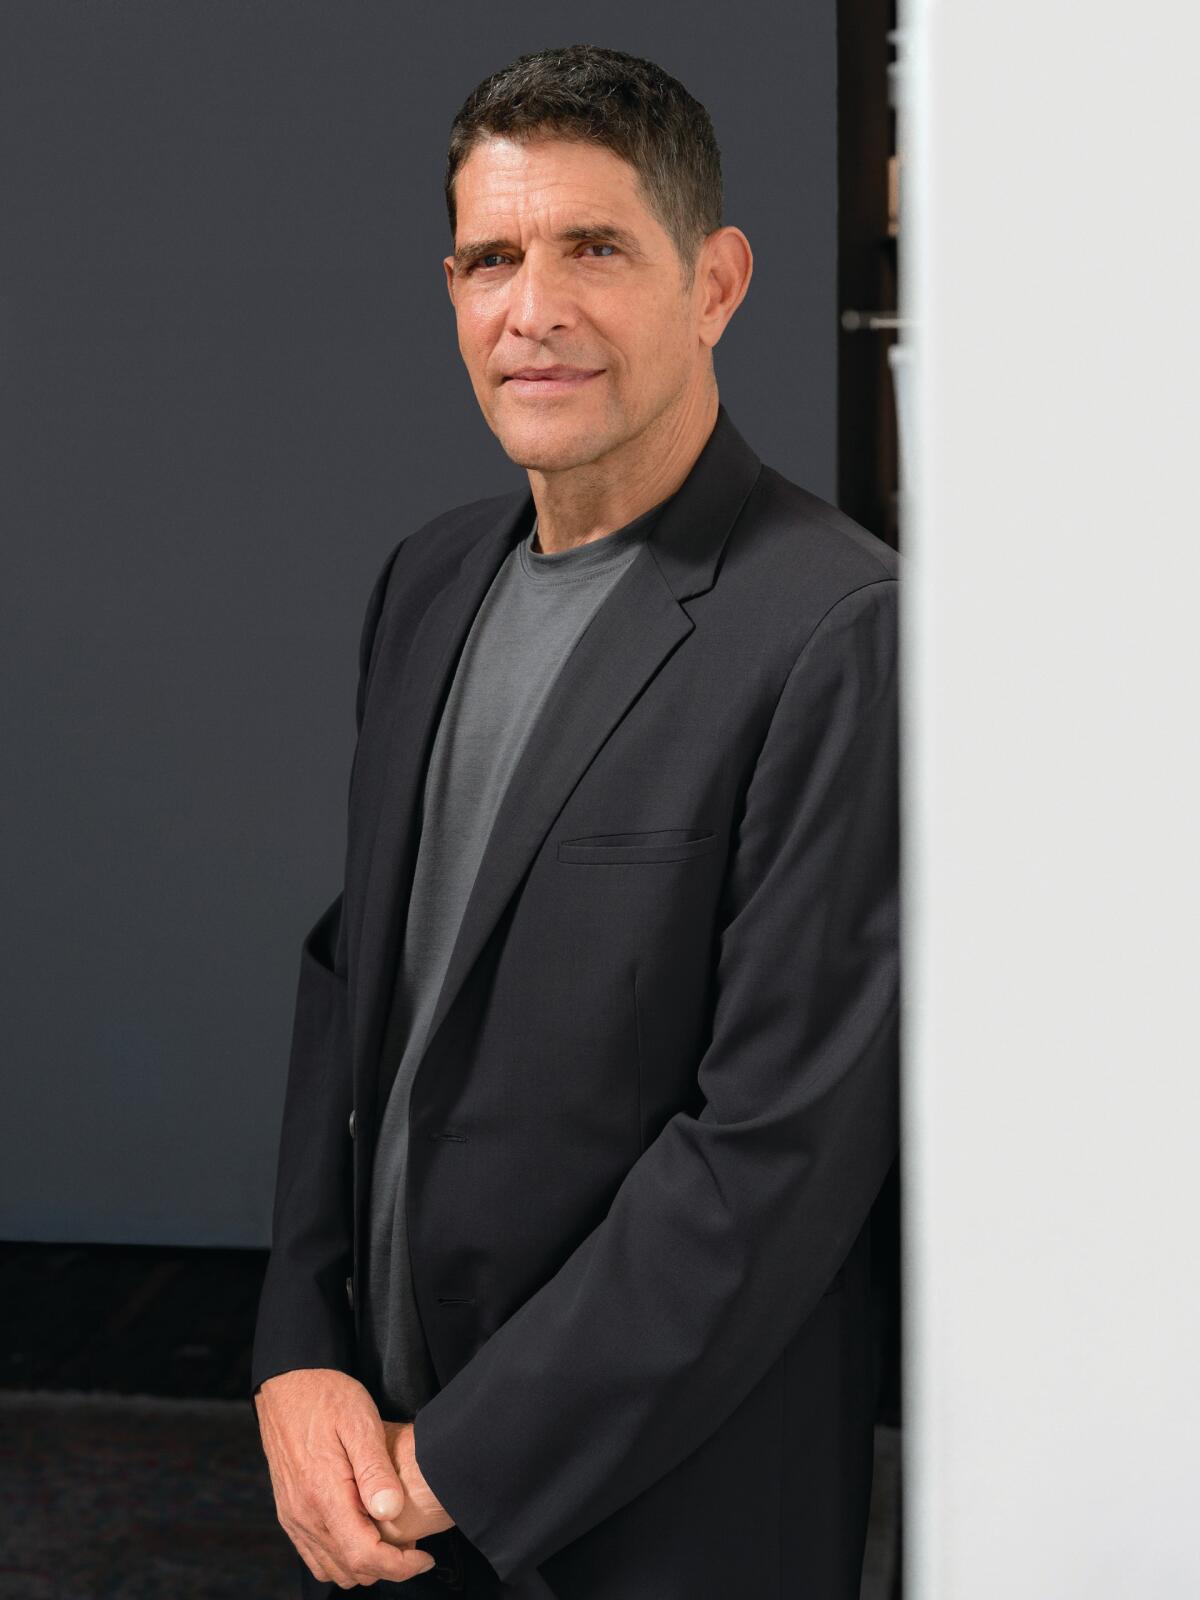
[350, 1292]
[352, 1123]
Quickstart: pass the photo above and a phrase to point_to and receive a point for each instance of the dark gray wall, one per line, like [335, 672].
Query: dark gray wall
[230, 384]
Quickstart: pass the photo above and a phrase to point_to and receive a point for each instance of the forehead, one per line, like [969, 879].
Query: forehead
[503, 175]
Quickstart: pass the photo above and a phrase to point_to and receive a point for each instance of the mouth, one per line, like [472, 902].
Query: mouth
[557, 382]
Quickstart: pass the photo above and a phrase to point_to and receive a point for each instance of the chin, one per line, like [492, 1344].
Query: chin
[549, 444]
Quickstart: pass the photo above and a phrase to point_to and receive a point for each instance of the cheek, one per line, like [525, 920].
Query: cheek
[656, 330]
[477, 357]
[478, 330]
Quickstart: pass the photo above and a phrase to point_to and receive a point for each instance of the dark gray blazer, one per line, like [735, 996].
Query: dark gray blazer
[660, 1090]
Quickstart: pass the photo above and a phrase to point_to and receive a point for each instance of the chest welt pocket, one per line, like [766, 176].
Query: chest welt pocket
[626, 849]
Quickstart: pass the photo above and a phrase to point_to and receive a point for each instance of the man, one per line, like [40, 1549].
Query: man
[594, 1068]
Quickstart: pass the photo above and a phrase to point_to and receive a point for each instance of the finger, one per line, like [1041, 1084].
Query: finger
[312, 1558]
[366, 1553]
[356, 1544]
[324, 1537]
[370, 1562]
[308, 1538]
[379, 1487]
[390, 1533]
[320, 1546]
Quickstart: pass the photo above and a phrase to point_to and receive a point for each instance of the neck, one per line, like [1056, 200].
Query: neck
[575, 507]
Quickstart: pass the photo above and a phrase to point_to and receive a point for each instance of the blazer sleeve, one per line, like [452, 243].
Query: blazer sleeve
[731, 1225]
[304, 1317]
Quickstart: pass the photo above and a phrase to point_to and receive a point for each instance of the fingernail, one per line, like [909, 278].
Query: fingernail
[386, 1503]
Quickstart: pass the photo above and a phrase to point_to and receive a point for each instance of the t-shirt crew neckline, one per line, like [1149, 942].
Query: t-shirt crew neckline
[585, 560]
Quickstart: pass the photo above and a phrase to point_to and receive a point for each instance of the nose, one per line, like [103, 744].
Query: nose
[541, 301]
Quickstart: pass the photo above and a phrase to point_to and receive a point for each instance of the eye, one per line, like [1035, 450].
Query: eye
[495, 255]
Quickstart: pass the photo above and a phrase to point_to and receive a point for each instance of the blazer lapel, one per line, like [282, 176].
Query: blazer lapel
[638, 625]
[422, 681]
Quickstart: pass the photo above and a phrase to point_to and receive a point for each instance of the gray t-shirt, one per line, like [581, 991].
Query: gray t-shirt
[534, 611]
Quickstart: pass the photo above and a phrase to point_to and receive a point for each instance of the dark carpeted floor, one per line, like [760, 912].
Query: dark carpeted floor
[119, 1497]
[130, 1463]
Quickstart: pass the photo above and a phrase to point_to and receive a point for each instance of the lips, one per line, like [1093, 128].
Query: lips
[549, 383]
[551, 374]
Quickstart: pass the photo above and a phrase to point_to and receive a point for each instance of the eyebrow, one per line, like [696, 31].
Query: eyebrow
[596, 233]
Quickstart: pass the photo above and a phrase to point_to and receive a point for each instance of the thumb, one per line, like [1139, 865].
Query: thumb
[379, 1485]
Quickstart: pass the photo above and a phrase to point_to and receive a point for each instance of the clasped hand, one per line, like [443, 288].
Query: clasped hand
[348, 1491]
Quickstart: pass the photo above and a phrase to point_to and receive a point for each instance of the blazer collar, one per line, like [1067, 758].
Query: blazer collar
[638, 625]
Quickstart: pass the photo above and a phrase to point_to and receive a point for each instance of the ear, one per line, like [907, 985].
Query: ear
[723, 272]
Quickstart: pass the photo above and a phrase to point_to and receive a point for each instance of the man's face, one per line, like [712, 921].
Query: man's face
[609, 300]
